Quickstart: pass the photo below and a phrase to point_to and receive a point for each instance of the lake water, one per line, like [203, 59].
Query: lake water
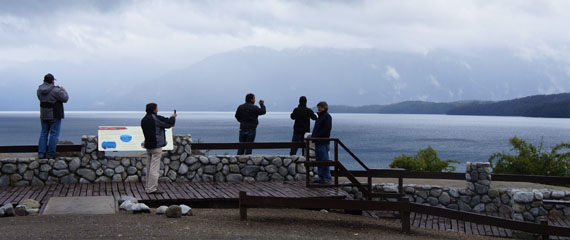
[374, 138]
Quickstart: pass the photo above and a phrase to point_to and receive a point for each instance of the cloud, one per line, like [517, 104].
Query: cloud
[391, 73]
[177, 33]
[433, 81]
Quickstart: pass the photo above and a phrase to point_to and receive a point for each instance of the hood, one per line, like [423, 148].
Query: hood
[46, 88]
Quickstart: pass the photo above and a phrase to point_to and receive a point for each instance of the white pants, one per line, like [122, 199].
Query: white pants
[152, 169]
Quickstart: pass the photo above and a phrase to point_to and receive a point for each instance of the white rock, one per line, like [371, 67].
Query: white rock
[186, 210]
[126, 205]
[161, 210]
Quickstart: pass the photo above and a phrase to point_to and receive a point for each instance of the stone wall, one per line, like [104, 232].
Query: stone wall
[478, 196]
[178, 165]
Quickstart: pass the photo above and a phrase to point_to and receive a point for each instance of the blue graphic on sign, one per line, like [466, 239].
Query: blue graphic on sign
[126, 138]
[109, 144]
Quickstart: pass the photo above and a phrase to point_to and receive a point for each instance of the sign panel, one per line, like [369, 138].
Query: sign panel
[125, 138]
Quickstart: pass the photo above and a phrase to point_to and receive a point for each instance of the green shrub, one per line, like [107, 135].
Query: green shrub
[533, 160]
[424, 160]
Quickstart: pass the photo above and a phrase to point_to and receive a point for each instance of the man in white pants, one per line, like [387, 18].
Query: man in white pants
[153, 127]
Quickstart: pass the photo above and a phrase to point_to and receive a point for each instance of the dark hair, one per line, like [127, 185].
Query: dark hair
[303, 100]
[323, 104]
[249, 97]
[151, 107]
[49, 78]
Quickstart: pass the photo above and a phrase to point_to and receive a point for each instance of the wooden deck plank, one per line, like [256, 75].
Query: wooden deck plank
[468, 228]
[190, 188]
[16, 194]
[8, 193]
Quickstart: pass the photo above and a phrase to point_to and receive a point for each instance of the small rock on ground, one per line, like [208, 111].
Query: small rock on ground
[174, 211]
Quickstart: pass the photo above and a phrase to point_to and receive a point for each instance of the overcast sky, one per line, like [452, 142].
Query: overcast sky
[178, 33]
[147, 38]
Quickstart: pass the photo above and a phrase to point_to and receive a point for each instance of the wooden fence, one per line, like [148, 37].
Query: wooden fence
[404, 206]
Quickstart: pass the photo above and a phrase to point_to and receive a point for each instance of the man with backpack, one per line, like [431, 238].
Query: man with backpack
[51, 99]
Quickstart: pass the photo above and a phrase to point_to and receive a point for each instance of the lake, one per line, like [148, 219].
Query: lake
[374, 138]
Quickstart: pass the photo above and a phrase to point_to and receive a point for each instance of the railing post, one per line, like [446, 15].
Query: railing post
[545, 223]
[336, 160]
[369, 185]
[405, 214]
[400, 185]
[307, 159]
[242, 206]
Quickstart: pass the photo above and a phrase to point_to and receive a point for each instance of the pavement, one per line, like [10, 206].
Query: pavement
[80, 205]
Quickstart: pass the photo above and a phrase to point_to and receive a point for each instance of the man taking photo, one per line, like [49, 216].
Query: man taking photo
[153, 127]
[247, 115]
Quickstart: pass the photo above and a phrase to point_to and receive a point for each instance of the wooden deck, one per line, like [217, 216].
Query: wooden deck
[453, 225]
[197, 194]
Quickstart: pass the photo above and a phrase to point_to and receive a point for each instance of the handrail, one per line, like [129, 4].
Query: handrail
[369, 173]
[404, 206]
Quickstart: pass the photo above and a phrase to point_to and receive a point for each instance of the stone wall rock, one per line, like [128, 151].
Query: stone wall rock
[176, 165]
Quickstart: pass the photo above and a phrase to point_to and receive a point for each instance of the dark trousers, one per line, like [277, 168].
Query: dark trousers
[246, 135]
[322, 154]
[297, 137]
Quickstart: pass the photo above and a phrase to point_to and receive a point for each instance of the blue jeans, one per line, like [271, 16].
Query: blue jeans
[246, 136]
[50, 129]
[322, 154]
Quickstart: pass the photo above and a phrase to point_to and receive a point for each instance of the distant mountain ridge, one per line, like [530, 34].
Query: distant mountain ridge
[548, 106]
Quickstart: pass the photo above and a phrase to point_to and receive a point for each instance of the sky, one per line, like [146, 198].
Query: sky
[120, 42]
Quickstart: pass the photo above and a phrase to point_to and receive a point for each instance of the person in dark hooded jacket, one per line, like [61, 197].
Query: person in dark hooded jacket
[51, 113]
[302, 116]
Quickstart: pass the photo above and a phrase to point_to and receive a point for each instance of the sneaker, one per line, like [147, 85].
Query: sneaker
[41, 156]
[316, 181]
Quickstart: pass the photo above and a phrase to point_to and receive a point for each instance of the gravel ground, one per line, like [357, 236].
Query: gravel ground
[215, 224]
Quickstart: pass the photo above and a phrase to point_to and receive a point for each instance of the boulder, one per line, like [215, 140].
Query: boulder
[436, 192]
[277, 162]
[444, 198]
[69, 179]
[250, 171]
[21, 210]
[479, 207]
[109, 172]
[139, 208]
[74, 164]
[10, 168]
[523, 197]
[173, 211]
[60, 164]
[87, 174]
[161, 210]
[183, 169]
[262, 177]
[126, 205]
[127, 198]
[133, 178]
[210, 169]
[186, 210]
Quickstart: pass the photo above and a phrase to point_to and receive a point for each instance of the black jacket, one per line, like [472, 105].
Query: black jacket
[153, 129]
[302, 116]
[323, 126]
[247, 114]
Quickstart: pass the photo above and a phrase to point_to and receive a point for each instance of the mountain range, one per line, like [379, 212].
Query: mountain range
[550, 106]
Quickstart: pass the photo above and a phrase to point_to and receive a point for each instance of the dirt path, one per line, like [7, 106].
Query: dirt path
[215, 224]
